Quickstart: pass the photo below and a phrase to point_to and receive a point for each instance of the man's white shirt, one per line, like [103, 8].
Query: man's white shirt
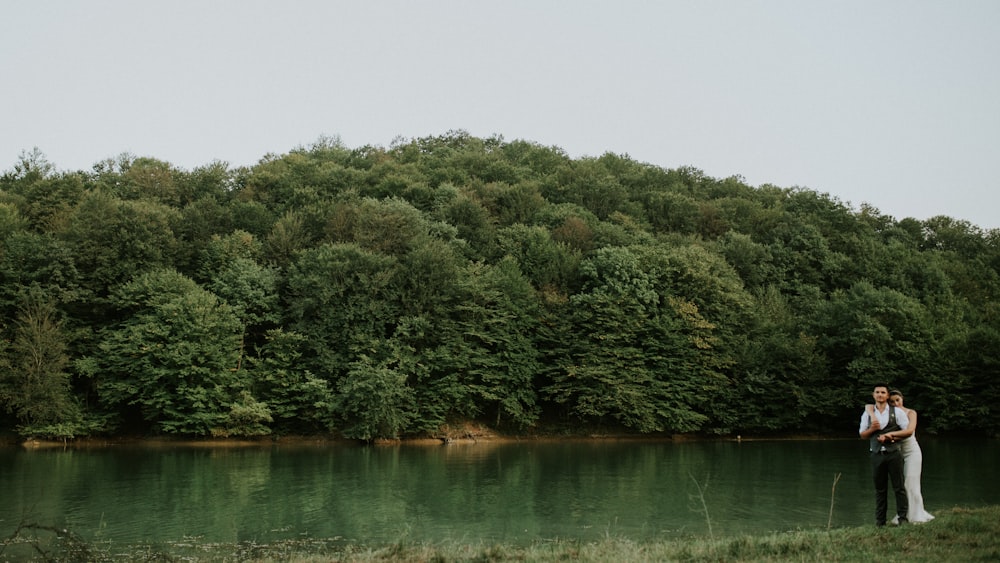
[883, 418]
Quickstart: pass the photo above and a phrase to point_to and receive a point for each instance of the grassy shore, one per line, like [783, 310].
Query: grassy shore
[955, 535]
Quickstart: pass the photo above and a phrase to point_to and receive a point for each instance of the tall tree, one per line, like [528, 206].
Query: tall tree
[174, 356]
[870, 334]
[34, 381]
[298, 400]
[341, 298]
[634, 358]
[374, 399]
[496, 355]
[114, 239]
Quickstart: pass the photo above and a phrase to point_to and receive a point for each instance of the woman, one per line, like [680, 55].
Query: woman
[912, 462]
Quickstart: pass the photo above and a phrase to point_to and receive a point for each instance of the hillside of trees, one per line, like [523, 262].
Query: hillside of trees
[380, 292]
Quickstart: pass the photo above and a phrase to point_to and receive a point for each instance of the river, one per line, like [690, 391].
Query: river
[511, 492]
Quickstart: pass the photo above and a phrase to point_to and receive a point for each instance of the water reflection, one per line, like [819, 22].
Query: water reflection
[510, 492]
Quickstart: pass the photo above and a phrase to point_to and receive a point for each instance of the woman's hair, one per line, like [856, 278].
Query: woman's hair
[895, 392]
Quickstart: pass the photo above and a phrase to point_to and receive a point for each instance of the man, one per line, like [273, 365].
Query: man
[887, 462]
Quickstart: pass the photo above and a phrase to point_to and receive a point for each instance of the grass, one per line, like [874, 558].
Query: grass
[955, 535]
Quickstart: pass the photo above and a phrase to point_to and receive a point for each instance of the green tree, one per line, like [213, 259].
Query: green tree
[175, 355]
[247, 417]
[44, 202]
[548, 264]
[230, 270]
[390, 227]
[10, 220]
[251, 216]
[428, 279]
[33, 259]
[302, 177]
[114, 239]
[340, 297]
[212, 182]
[589, 183]
[34, 381]
[298, 400]
[474, 224]
[374, 398]
[871, 334]
[778, 372]
[195, 226]
[497, 357]
[673, 212]
[150, 179]
[288, 236]
[31, 166]
[751, 260]
[464, 277]
[634, 358]
[510, 204]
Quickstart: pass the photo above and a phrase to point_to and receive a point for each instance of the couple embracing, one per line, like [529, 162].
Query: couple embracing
[895, 456]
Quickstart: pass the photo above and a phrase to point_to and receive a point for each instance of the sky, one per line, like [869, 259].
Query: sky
[889, 103]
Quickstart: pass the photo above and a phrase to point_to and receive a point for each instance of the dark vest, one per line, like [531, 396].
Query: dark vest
[874, 444]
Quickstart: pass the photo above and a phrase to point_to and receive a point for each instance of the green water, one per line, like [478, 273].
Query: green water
[490, 492]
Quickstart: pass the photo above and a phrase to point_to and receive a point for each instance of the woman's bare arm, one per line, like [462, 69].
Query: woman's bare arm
[911, 415]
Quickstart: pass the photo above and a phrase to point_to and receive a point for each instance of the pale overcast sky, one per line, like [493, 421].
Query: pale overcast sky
[891, 102]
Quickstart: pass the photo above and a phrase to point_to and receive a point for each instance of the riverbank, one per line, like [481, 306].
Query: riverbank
[469, 432]
[958, 534]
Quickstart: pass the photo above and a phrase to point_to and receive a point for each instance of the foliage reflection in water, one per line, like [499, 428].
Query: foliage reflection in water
[487, 491]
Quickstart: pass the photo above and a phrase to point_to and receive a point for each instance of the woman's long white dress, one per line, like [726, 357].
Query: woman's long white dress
[913, 460]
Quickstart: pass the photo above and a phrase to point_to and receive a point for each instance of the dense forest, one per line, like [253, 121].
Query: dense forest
[380, 292]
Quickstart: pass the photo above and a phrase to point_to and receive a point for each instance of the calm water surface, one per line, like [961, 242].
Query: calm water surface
[490, 492]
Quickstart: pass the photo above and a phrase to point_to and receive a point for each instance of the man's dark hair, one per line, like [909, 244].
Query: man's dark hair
[877, 385]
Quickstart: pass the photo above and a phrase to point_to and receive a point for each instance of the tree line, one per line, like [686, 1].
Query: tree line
[384, 292]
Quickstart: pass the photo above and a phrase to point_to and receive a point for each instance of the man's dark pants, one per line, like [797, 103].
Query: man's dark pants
[888, 466]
